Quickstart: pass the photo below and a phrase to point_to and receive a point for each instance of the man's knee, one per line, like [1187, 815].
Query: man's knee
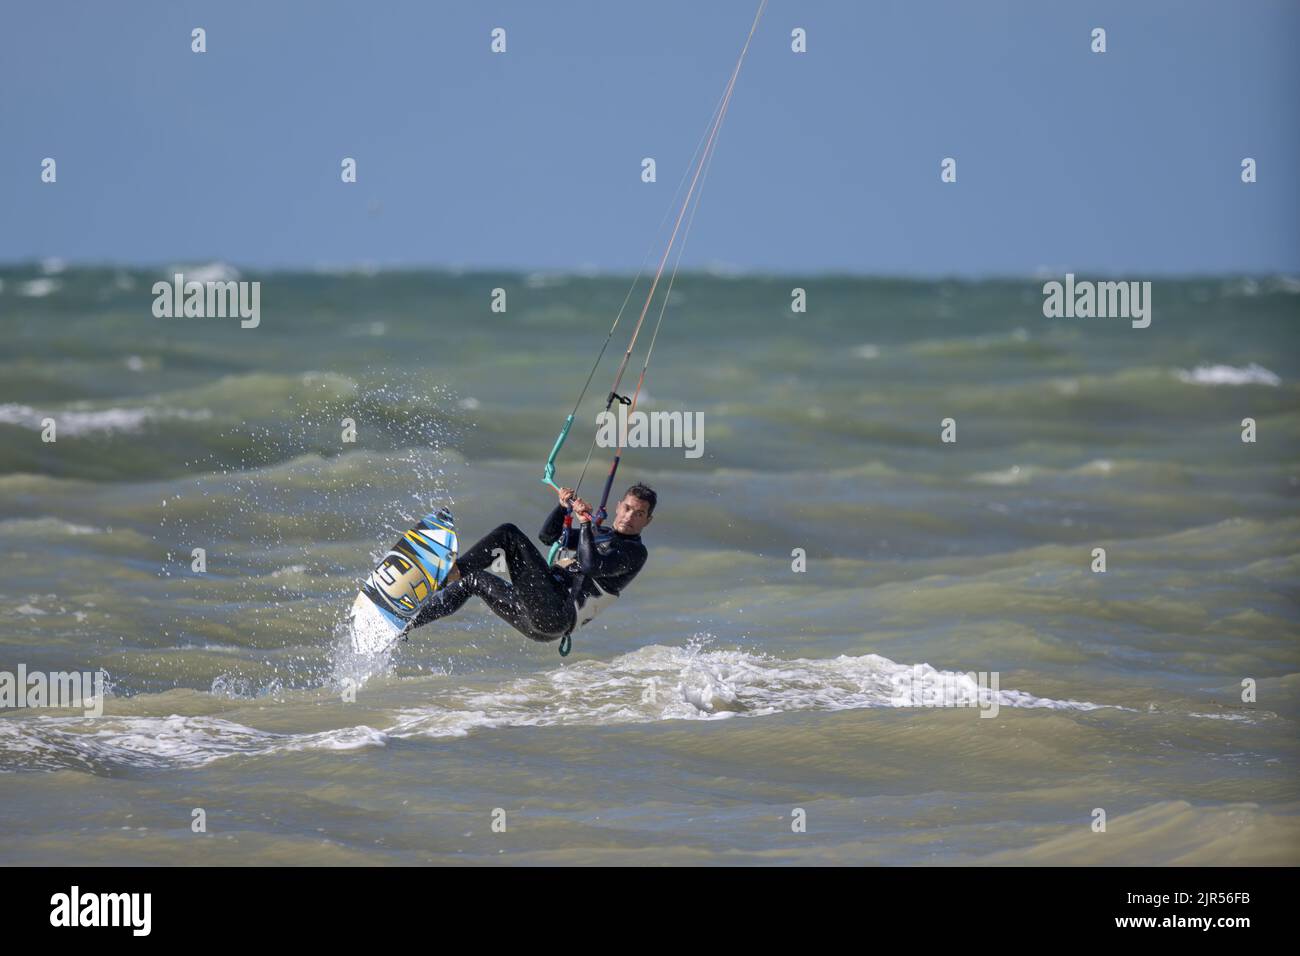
[506, 529]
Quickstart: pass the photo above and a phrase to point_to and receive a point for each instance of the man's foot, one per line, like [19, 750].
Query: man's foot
[452, 577]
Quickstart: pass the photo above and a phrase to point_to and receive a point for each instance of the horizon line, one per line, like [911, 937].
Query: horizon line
[53, 265]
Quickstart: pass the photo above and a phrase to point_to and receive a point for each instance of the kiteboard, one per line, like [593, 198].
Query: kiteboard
[412, 571]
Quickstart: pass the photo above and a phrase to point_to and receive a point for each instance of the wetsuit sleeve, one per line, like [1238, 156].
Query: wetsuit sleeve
[550, 532]
[620, 560]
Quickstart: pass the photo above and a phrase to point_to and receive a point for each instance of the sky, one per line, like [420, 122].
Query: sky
[1123, 162]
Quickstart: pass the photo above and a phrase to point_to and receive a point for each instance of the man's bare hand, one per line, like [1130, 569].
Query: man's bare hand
[565, 494]
[581, 509]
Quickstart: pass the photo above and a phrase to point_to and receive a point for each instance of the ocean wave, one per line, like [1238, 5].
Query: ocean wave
[1168, 833]
[1249, 286]
[234, 394]
[39, 288]
[206, 272]
[650, 685]
[1243, 718]
[1024, 474]
[43, 527]
[1016, 343]
[690, 683]
[546, 280]
[1015, 475]
[154, 743]
[74, 421]
[1252, 374]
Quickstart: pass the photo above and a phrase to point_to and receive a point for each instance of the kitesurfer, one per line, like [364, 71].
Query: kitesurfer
[542, 602]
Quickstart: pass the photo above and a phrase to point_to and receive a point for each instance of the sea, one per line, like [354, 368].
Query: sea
[944, 580]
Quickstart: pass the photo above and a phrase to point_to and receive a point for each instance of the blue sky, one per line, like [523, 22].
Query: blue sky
[1126, 161]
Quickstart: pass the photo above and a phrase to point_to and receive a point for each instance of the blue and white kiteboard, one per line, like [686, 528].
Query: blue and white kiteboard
[405, 580]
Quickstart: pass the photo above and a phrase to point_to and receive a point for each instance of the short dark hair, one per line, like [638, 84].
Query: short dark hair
[645, 493]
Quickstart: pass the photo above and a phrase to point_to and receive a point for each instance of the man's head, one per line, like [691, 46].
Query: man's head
[635, 509]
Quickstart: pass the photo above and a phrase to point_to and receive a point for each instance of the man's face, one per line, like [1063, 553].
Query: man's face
[631, 515]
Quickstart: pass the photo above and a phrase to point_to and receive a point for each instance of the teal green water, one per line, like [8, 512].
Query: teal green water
[726, 692]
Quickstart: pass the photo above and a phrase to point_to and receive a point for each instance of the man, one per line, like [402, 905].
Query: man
[546, 603]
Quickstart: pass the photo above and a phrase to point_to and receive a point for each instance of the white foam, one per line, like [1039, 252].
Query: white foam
[290, 569]
[329, 381]
[1252, 374]
[646, 686]
[43, 526]
[545, 280]
[674, 683]
[1015, 475]
[725, 270]
[1241, 717]
[84, 422]
[207, 272]
[39, 288]
[175, 742]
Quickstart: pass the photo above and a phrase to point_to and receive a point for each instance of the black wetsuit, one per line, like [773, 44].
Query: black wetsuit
[540, 601]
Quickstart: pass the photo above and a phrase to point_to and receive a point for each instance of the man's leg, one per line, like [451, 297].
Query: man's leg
[536, 597]
[536, 605]
[528, 569]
